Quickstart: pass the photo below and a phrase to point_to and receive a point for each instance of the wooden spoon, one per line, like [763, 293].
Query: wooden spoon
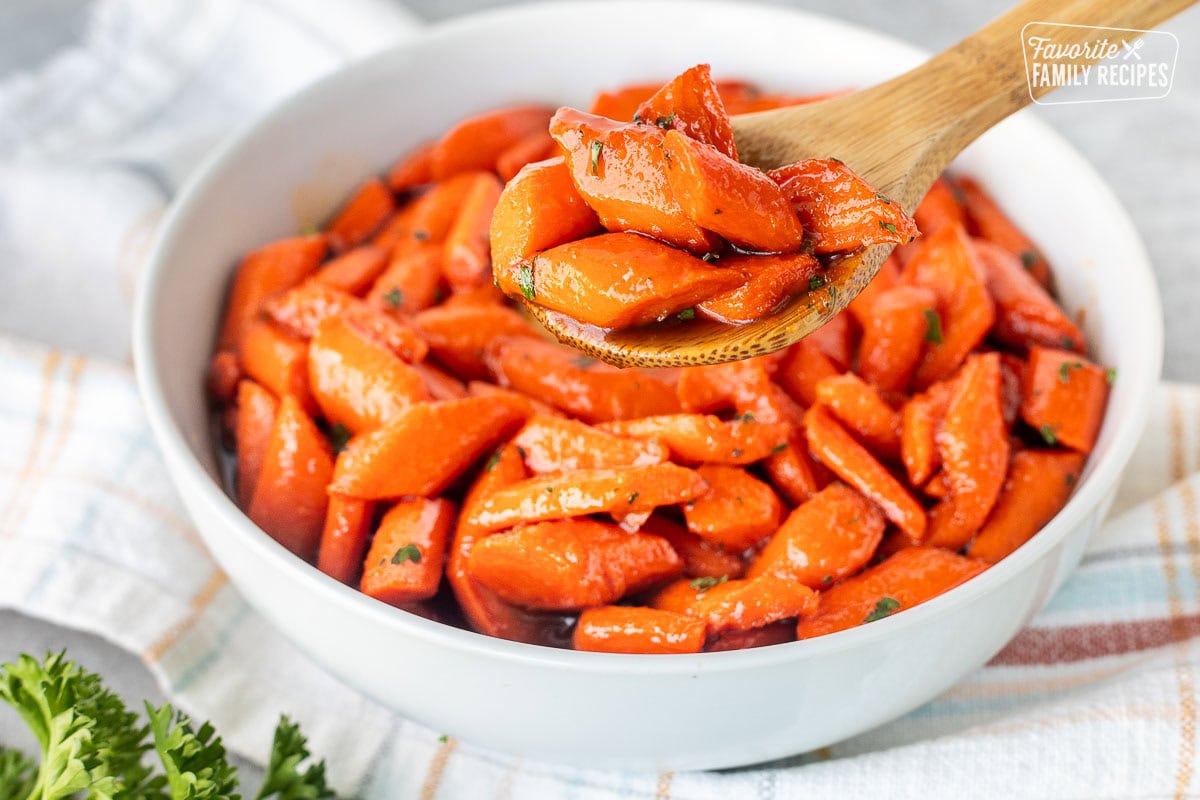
[899, 135]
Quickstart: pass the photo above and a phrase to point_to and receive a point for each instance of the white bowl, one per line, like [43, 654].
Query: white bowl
[635, 712]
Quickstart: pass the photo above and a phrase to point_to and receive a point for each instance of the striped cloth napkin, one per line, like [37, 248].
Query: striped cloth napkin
[1096, 699]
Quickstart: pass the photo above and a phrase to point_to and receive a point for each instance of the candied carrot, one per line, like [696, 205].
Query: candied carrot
[277, 361]
[702, 438]
[361, 216]
[939, 208]
[1038, 485]
[775, 633]
[1064, 397]
[477, 142]
[766, 282]
[345, 536]
[467, 260]
[459, 336]
[529, 407]
[411, 282]
[355, 270]
[224, 374]
[405, 561]
[863, 411]
[256, 410]
[739, 604]
[919, 422]
[690, 104]
[738, 510]
[1026, 314]
[985, 219]
[554, 444]
[701, 558]
[625, 629]
[802, 369]
[895, 330]
[535, 146]
[412, 170]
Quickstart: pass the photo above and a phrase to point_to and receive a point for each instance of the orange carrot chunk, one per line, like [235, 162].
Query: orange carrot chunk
[802, 369]
[256, 410]
[412, 170]
[863, 411]
[737, 604]
[836, 448]
[625, 629]
[405, 561]
[1026, 314]
[919, 422]
[344, 539]
[410, 283]
[476, 143]
[554, 444]
[738, 510]
[277, 361]
[701, 438]
[355, 270]
[766, 282]
[467, 260]
[289, 496]
[362, 215]
[449, 436]
[908, 578]
[729, 198]
[571, 564]
[691, 104]
[939, 208]
[1064, 397]
[901, 320]
[828, 538]
[458, 336]
[775, 633]
[985, 219]
[701, 558]
[224, 373]
[536, 146]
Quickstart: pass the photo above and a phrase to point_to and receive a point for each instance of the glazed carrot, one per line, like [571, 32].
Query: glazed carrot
[442, 385]
[256, 410]
[1038, 485]
[766, 282]
[985, 219]
[738, 604]
[1012, 379]
[625, 629]
[539, 209]
[536, 146]
[622, 103]
[736, 201]
[900, 322]
[262, 274]
[1064, 397]
[361, 216]
[477, 142]
[790, 469]
[358, 382]
[701, 558]
[802, 369]
[467, 260]
[277, 361]
[938, 486]
[428, 218]
[411, 282]
[529, 407]
[458, 336]
[839, 210]
[702, 438]
[919, 422]
[1026, 314]
[449, 436]
[888, 277]
[836, 449]
[620, 171]
[973, 444]
[863, 411]
[570, 564]
[828, 538]
[837, 339]
[591, 391]
[301, 311]
[289, 496]
[908, 578]
[355, 270]
[224, 373]
[591, 280]
[690, 104]
[939, 208]
[554, 444]
[719, 387]
[485, 296]
[623, 490]
[348, 525]
[946, 264]
[412, 170]
[405, 561]
[775, 633]
[738, 510]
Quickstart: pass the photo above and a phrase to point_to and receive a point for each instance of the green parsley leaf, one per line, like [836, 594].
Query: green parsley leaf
[885, 607]
[284, 778]
[708, 258]
[1110, 376]
[707, 582]
[836, 159]
[887, 226]
[633, 497]
[1068, 343]
[594, 152]
[394, 298]
[1047, 432]
[583, 362]
[420, 236]
[665, 122]
[309, 229]
[492, 461]
[884, 198]
[17, 774]
[779, 448]
[736, 452]
[339, 437]
[193, 759]
[637, 119]
[1064, 370]
[525, 281]
[827, 579]
[717, 211]
[686, 314]
[410, 552]
[747, 417]
[444, 738]
[816, 282]
[807, 246]
[1028, 259]
[1071, 479]
[933, 327]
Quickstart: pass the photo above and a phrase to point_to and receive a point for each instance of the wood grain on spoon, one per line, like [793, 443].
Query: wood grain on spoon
[899, 136]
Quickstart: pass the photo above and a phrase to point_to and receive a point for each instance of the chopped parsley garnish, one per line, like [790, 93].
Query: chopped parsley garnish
[339, 437]
[637, 119]
[1071, 478]
[779, 448]
[737, 452]
[665, 122]
[633, 497]
[1068, 343]
[1110, 376]
[492, 462]
[583, 362]
[718, 211]
[835, 158]
[707, 582]
[521, 452]
[443, 738]
[410, 552]
[1048, 435]
[885, 607]
[686, 314]
[1064, 370]
[525, 281]
[708, 258]
[883, 197]
[887, 226]
[807, 246]
[1028, 259]
[827, 579]
[420, 236]
[816, 282]
[394, 298]
[594, 151]
[933, 327]
[747, 417]
[309, 228]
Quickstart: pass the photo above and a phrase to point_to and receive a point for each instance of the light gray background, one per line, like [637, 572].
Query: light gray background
[1148, 151]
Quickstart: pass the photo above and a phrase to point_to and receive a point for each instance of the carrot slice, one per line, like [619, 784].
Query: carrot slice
[766, 282]
[919, 422]
[623, 490]
[690, 104]
[621, 172]
[802, 369]
[702, 438]
[411, 282]
[529, 407]
[412, 170]
[450, 436]
[863, 411]
[831, 536]
[405, 561]
[835, 448]
[429, 218]
[939, 208]
[477, 142]
[701, 558]
[467, 260]
[1012, 377]
[617, 280]
[738, 604]
[1064, 397]
[534, 147]
[985, 219]
[355, 270]
[973, 444]
[583, 388]
[908, 578]
[775, 633]
[263, 273]
[625, 629]
[362, 215]
[900, 322]
[570, 564]
[1038, 485]
[289, 496]
[888, 277]
[1026, 314]
[790, 469]
[356, 381]
[946, 264]
[717, 387]
[256, 410]
[224, 373]
[838, 209]
[729, 198]
[554, 444]
[345, 536]
[738, 510]
[459, 336]
[277, 361]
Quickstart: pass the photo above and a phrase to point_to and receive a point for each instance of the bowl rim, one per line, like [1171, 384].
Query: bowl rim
[191, 477]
